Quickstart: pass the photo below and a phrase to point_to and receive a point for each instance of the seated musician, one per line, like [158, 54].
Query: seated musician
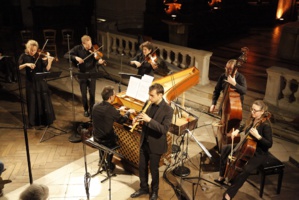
[237, 81]
[258, 126]
[104, 115]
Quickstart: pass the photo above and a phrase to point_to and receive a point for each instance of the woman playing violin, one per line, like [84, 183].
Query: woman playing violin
[146, 62]
[258, 126]
[39, 105]
[85, 56]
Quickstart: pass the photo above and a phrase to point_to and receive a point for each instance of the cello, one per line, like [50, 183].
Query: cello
[230, 107]
[242, 152]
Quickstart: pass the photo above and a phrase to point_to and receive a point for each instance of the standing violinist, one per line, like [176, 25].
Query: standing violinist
[80, 55]
[237, 82]
[259, 128]
[39, 105]
[146, 61]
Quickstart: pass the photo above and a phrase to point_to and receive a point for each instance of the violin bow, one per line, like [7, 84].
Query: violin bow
[41, 51]
[91, 54]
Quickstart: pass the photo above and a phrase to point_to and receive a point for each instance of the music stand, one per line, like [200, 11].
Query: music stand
[106, 151]
[126, 76]
[45, 76]
[200, 165]
[75, 137]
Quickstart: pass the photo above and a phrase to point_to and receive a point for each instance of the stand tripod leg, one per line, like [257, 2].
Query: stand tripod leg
[53, 135]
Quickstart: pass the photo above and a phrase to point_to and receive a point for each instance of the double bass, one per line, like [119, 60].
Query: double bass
[230, 107]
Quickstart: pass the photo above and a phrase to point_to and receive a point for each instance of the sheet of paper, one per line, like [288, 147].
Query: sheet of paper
[138, 88]
[133, 86]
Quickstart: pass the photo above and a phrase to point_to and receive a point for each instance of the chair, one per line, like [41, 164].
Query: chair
[67, 35]
[26, 35]
[50, 35]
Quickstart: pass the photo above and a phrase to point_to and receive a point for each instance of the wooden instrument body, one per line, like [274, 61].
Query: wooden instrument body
[174, 85]
[231, 117]
[240, 158]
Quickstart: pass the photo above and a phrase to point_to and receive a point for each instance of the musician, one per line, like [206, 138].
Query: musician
[156, 122]
[39, 105]
[259, 127]
[143, 61]
[237, 82]
[8, 65]
[80, 54]
[104, 115]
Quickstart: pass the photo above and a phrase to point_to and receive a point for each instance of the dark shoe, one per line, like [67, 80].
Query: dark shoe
[219, 182]
[86, 113]
[139, 193]
[154, 196]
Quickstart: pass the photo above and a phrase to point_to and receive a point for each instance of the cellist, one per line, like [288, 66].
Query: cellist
[258, 127]
[237, 82]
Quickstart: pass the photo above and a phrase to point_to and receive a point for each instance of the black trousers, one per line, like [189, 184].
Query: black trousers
[90, 85]
[146, 158]
[251, 166]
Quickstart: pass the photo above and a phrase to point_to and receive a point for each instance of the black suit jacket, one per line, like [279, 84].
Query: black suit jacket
[156, 130]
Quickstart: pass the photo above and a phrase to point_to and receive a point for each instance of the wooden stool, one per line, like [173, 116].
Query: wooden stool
[271, 166]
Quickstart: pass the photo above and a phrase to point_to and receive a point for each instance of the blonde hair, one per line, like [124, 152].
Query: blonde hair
[35, 192]
[29, 44]
[85, 38]
[231, 62]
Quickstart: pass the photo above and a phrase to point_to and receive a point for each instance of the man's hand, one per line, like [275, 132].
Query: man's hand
[144, 117]
[212, 108]
[79, 60]
[231, 80]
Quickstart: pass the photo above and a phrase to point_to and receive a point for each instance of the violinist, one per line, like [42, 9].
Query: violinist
[147, 61]
[85, 56]
[258, 127]
[237, 82]
[39, 105]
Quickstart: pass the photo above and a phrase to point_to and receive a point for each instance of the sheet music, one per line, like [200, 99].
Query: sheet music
[138, 88]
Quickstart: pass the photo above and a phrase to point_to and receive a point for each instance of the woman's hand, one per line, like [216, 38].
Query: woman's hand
[134, 62]
[255, 133]
[79, 60]
[30, 65]
[231, 80]
[235, 133]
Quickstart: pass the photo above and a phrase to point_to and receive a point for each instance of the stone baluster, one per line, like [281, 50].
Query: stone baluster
[114, 45]
[133, 49]
[183, 63]
[120, 48]
[127, 48]
[285, 101]
[273, 85]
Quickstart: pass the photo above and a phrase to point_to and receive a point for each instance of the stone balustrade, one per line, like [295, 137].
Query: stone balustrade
[117, 44]
[282, 90]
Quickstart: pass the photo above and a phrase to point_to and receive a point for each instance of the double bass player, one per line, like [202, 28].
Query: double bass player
[237, 82]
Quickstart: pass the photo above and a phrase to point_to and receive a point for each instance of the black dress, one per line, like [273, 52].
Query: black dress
[39, 105]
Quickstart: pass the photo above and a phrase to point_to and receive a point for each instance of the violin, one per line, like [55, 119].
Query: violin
[152, 58]
[43, 54]
[95, 50]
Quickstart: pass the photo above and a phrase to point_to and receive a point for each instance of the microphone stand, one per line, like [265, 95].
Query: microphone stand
[74, 136]
[200, 166]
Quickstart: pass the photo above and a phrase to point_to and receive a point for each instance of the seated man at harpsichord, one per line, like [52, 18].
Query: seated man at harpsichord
[104, 115]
